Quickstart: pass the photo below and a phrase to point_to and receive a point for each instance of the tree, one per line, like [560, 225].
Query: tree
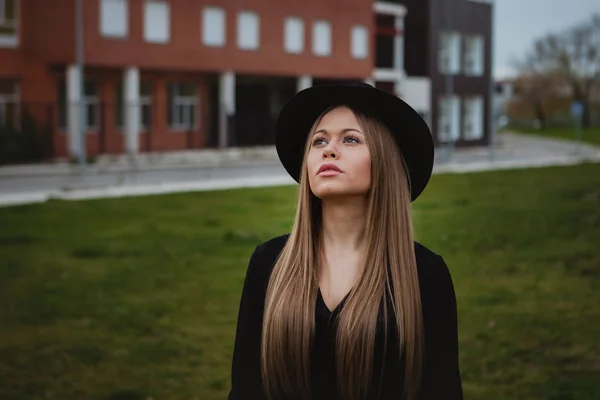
[534, 87]
[571, 58]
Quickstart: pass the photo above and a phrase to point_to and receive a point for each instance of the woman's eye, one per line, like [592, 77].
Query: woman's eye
[347, 139]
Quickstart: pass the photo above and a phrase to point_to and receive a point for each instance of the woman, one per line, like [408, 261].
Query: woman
[348, 306]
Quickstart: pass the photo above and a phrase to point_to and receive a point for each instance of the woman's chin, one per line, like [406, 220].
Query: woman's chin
[332, 190]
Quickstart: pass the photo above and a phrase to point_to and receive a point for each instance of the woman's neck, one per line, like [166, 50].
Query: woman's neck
[343, 223]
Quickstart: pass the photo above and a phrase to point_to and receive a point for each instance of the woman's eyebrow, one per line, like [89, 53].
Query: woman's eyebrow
[326, 132]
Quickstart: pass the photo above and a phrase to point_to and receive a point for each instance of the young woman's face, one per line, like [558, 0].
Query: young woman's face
[338, 161]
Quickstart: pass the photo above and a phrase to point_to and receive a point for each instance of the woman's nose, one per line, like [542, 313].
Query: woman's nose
[329, 153]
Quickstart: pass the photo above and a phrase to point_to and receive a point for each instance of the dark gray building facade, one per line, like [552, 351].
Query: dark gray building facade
[448, 53]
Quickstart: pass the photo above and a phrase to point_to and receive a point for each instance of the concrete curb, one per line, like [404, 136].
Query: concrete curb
[14, 199]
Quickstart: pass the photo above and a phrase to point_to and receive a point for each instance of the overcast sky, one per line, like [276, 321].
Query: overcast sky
[519, 22]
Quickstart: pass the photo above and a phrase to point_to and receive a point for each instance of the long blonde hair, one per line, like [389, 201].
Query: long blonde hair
[389, 274]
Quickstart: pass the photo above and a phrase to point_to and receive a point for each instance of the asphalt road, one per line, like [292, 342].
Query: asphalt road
[93, 179]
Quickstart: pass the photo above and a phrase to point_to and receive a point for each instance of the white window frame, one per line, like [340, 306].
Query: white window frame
[473, 118]
[6, 39]
[106, 29]
[248, 40]
[149, 35]
[294, 34]
[449, 53]
[474, 55]
[177, 100]
[92, 101]
[214, 26]
[359, 42]
[11, 98]
[321, 35]
[448, 128]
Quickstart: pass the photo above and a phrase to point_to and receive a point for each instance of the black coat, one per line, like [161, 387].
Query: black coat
[441, 374]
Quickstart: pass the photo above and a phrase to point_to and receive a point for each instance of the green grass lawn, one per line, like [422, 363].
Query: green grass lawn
[590, 135]
[138, 297]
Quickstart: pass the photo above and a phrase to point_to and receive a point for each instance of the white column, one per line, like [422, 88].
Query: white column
[131, 102]
[399, 87]
[399, 44]
[304, 82]
[74, 92]
[226, 105]
[399, 53]
[370, 81]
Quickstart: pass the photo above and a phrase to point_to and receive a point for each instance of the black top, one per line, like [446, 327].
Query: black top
[441, 374]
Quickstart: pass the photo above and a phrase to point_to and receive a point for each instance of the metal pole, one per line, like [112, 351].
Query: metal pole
[492, 117]
[578, 124]
[449, 83]
[79, 56]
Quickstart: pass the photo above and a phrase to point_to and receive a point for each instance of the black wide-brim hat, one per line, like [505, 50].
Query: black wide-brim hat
[410, 131]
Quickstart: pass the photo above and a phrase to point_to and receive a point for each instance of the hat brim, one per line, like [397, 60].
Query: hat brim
[410, 131]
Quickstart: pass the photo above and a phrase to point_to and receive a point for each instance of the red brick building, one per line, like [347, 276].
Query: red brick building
[164, 75]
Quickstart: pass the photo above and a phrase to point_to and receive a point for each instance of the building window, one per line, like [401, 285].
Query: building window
[449, 119]
[294, 35]
[9, 23]
[92, 106]
[145, 106]
[474, 57]
[114, 18]
[449, 53]
[473, 118]
[248, 30]
[321, 38]
[359, 42]
[182, 106]
[157, 17]
[213, 26]
[91, 101]
[388, 55]
[9, 103]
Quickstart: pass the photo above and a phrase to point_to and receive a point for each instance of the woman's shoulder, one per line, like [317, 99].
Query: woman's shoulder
[435, 279]
[270, 248]
[265, 255]
[430, 264]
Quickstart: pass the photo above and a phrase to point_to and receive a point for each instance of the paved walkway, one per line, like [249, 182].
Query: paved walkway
[188, 171]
